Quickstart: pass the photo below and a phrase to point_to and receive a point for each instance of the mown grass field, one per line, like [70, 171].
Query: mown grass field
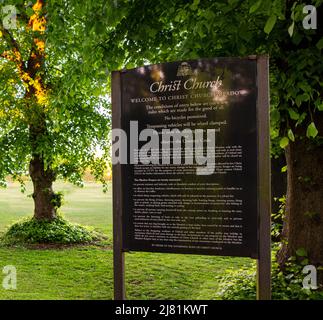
[86, 272]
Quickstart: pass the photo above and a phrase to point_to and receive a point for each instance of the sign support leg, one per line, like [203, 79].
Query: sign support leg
[264, 205]
[118, 254]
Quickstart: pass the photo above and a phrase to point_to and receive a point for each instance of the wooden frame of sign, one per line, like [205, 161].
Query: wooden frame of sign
[254, 240]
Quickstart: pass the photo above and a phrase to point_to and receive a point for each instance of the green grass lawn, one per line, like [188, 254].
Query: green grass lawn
[86, 272]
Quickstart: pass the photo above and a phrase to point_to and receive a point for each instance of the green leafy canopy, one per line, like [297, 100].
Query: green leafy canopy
[77, 111]
[157, 31]
[85, 40]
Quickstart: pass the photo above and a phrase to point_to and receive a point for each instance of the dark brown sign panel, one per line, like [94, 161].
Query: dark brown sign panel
[169, 207]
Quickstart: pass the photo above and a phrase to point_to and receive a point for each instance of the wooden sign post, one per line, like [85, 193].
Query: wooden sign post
[216, 201]
[264, 185]
[118, 254]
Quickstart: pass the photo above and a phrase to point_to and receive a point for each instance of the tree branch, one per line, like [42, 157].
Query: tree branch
[13, 44]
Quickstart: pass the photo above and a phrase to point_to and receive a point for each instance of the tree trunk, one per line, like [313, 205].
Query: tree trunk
[303, 225]
[42, 178]
[43, 194]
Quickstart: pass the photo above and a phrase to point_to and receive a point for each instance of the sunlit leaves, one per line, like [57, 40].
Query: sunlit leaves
[291, 135]
[255, 6]
[270, 23]
[293, 114]
[311, 131]
[319, 105]
[283, 142]
[275, 116]
[291, 29]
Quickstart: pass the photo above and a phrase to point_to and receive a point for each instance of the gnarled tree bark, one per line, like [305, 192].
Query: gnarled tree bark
[303, 225]
[43, 194]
